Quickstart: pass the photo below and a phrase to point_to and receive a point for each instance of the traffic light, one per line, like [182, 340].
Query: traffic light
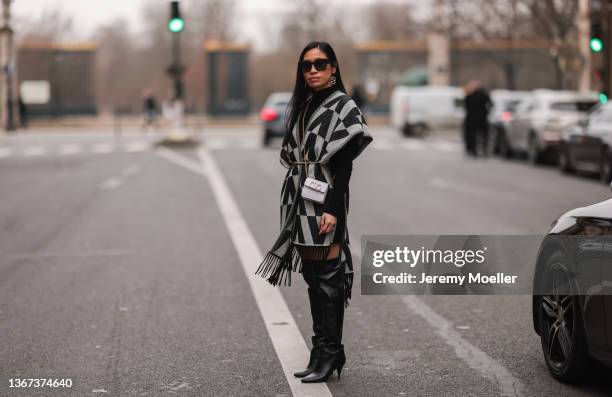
[596, 42]
[603, 97]
[176, 23]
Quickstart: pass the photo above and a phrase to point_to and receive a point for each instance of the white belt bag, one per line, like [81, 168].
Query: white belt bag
[315, 190]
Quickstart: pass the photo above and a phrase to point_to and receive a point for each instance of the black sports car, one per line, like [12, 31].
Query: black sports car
[572, 301]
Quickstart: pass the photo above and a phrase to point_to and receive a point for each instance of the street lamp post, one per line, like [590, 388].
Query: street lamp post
[7, 100]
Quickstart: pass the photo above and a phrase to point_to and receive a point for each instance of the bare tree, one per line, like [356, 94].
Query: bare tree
[486, 20]
[387, 20]
[511, 20]
[51, 25]
[556, 20]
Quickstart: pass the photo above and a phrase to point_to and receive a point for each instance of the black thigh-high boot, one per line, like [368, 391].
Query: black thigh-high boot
[316, 310]
[330, 278]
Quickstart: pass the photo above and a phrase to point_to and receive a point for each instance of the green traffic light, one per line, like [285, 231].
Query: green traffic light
[603, 98]
[176, 25]
[596, 44]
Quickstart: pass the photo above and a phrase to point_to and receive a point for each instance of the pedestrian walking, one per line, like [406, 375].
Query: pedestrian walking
[23, 113]
[150, 109]
[325, 132]
[476, 124]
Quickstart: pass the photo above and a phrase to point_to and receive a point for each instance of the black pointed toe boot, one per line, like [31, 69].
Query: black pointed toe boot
[316, 311]
[317, 327]
[330, 276]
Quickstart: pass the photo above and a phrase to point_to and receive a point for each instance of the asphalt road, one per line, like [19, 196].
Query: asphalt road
[118, 271]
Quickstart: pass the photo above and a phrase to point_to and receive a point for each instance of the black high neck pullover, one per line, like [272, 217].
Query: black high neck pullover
[317, 99]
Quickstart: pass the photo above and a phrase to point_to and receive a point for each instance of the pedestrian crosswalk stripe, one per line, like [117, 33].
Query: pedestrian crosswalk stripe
[137, 146]
[214, 143]
[103, 147]
[5, 151]
[70, 149]
[413, 145]
[34, 151]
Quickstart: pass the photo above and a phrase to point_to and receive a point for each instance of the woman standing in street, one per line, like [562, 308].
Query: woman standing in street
[325, 132]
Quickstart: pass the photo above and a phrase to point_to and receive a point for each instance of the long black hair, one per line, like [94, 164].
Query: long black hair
[301, 91]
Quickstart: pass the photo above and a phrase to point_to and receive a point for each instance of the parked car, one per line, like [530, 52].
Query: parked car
[272, 116]
[504, 105]
[587, 146]
[535, 130]
[572, 298]
[417, 110]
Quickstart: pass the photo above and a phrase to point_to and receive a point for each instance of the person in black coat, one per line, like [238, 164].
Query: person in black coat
[476, 124]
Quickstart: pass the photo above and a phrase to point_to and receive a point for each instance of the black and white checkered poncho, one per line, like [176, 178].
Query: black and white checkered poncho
[332, 125]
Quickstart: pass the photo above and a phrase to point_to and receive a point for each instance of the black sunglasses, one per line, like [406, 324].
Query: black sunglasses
[319, 64]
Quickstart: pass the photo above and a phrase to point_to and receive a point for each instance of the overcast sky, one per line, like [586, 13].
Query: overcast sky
[89, 14]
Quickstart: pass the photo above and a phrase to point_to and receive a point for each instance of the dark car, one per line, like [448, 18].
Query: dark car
[572, 301]
[273, 116]
[587, 146]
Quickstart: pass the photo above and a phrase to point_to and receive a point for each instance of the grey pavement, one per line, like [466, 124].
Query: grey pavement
[117, 270]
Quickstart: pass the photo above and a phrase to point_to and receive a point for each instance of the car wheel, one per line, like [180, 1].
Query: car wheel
[533, 151]
[406, 129]
[605, 168]
[420, 130]
[565, 164]
[561, 328]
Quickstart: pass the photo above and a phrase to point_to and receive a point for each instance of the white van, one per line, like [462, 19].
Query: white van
[417, 110]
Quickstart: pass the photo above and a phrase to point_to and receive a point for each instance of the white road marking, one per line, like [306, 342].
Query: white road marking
[131, 170]
[216, 143]
[51, 254]
[34, 150]
[413, 145]
[445, 146]
[472, 190]
[112, 183]
[249, 144]
[103, 147]
[289, 344]
[382, 144]
[137, 146]
[70, 149]
[5, 152]
[474, 357]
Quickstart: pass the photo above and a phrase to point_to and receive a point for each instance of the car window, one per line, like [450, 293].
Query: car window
[523, 106]
[511, 105]
[573, 106]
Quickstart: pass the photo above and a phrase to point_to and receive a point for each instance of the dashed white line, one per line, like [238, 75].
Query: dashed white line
[5, 152]
[446, 146]
[70, 149]
[382, 145]
[110, 184]
[103, 147]
[214, 143]
[137, 146]
[34, 151]
[413, 145]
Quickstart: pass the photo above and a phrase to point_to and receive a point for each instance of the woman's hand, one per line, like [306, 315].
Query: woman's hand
[327, 224]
